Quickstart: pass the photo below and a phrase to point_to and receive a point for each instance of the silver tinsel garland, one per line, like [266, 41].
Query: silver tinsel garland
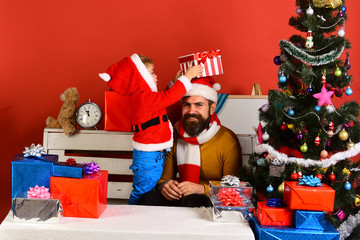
[279, 158]
[308, 58]
[346, 228]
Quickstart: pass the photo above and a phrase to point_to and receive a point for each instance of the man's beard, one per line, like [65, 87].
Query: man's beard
[193, 128]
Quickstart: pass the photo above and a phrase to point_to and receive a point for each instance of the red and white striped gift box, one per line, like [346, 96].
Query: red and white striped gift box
[211, 61]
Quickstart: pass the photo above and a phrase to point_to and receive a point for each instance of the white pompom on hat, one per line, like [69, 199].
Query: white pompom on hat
[205, 87]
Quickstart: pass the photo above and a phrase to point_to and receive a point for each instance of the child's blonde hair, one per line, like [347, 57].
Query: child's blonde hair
[146, 60]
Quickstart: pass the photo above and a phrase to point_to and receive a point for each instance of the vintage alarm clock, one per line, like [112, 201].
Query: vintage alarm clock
[88, 115]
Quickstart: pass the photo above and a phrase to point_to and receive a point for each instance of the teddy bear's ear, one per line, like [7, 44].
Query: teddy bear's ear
[63, 97]
[104, 76]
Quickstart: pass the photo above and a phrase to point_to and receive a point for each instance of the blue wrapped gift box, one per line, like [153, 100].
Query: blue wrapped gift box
[262, 232]
[309, 219]
[61, 169]
[28, 172]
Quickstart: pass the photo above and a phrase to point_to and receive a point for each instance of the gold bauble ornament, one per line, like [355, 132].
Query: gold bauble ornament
[343, 135]
[357, 200]
[281, 188]
[350, 144]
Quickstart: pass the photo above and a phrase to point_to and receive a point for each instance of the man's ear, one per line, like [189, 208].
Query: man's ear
[212, 108]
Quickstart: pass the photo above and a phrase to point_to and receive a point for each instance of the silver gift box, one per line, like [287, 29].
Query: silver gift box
[221, 213]
[34, 210]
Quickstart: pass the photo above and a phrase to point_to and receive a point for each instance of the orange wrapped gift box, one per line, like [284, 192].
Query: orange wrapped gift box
[85, 197]
[274, 216]
[309, 198]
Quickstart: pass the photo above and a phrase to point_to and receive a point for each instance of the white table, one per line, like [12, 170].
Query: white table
[132, 222]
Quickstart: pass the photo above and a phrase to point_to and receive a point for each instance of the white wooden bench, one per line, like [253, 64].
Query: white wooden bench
[113, 150]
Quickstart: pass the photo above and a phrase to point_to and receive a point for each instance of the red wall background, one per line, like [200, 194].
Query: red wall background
[48, 46]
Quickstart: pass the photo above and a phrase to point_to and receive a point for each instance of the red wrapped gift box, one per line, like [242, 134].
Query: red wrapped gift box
[309, 198]
[117, 112]
[85, 197]
[275, 216]
[210, 60]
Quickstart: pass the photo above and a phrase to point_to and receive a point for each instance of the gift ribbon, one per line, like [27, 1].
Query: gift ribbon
[310, 181]
[230, 180]
[204, 55]
[229, 197]
[34, 151]
[70, 162]
[38, 192]
[274, 202]
[92, 167]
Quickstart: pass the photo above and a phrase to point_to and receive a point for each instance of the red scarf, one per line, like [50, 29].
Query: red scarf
[188, 149]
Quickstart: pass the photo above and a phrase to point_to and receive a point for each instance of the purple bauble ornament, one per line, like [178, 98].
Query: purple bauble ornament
[265, 107]
[298, 10]
[341, 14]
[277, 60]
[299, 136]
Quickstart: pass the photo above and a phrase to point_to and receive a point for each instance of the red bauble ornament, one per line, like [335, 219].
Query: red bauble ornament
[319, 176]
[284, 127]
[294, 176]
[332, 177]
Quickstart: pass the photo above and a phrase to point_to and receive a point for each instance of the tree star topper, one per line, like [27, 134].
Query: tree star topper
[324, 96]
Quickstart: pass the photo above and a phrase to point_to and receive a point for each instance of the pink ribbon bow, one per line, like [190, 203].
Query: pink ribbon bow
[38, 192]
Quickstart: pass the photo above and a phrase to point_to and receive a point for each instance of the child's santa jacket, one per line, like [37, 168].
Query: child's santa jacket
[130, 77]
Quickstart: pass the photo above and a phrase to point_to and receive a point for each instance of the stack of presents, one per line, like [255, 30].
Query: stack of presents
[299, 216]
[43, 189]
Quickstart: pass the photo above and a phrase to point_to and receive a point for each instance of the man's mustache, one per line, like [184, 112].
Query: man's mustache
[188, 115]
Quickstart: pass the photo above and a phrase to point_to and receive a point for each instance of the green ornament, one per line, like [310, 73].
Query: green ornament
[338, 72]
[304, 148]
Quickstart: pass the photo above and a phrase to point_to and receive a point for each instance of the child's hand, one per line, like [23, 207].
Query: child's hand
[194, 71]
[178, 75]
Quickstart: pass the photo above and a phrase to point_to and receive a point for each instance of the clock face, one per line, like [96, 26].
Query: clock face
[88, 115]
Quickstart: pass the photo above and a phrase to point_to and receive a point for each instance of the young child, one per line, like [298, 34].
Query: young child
[134, 76]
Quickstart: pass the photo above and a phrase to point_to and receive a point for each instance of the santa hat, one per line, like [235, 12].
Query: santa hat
[204, 87]
[127, 74]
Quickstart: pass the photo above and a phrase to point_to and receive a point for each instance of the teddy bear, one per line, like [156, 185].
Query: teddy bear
[66, 118]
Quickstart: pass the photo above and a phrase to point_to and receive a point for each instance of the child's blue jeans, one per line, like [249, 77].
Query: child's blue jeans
[147, 168]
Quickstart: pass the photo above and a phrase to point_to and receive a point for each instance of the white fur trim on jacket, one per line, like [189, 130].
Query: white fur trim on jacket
[186, 82]
[144, 72]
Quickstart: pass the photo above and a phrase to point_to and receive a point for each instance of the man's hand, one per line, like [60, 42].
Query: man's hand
[194, 71]
[170, 190]
[188, 188]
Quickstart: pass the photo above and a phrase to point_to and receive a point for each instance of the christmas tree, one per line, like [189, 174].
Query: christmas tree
[301, 131]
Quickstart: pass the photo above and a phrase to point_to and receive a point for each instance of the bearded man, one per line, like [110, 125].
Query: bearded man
[203, 151]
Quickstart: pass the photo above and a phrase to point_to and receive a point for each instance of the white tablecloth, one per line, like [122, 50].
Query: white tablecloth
[131, 222]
